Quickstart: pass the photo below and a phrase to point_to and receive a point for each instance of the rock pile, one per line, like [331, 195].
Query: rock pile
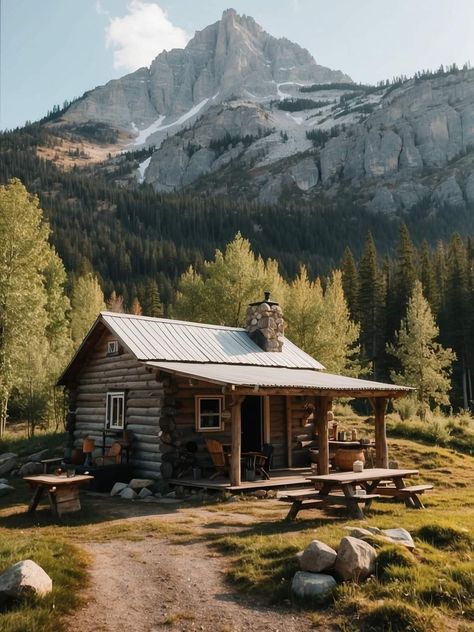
[141, 489]
[321, 566]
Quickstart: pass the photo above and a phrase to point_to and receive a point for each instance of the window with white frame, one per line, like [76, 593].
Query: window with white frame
[112, 347]
[209, 413]
[115, 411]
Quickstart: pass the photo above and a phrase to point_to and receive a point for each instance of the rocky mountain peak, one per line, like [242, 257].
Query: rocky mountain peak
[232, 58]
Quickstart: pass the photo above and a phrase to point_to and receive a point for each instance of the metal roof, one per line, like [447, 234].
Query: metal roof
[266, 377]
[179, 341]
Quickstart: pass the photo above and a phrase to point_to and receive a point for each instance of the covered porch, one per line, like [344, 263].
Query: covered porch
[316, 388]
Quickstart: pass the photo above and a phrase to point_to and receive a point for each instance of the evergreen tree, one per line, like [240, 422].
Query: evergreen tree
[151, 301]
[87, 301]
[370, 306]
[404, 277]
[428, 279]
[457, 313]
[350, 282]
[426, 365]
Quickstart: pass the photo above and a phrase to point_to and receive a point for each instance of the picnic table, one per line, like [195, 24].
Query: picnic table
[62, 490]
[372, 483]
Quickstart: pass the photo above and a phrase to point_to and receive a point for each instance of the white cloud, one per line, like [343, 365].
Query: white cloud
[140, 35]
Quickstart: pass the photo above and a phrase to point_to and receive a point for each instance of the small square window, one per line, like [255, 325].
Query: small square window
[112, 347]
[209, 414]
[115, 411]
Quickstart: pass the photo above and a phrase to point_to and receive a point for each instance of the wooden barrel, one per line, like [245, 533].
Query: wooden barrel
[345, 458]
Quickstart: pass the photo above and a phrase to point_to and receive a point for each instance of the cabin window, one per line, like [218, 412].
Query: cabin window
[112, 347]
[209, 414]
[115, 411]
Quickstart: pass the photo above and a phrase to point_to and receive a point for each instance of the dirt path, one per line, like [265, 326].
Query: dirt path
[155, 585]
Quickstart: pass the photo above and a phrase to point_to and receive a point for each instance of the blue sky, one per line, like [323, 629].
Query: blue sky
[52, 50]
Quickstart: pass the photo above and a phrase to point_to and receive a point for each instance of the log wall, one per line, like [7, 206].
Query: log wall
[143, 403]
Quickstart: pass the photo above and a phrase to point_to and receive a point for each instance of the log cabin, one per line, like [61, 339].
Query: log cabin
[173, 384]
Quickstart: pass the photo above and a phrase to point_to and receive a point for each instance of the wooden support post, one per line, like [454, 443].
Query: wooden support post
[381, 449]
[235, 478]
[289, 431]
[266, 420]
[321, 417]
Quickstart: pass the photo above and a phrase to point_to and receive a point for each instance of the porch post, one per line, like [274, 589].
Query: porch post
[289, 431]
[321, 416]
[236, 441]
[381, 449]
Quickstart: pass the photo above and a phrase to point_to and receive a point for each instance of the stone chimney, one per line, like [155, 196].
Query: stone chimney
[265, 324]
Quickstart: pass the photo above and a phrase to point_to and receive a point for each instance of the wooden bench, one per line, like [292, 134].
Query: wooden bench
[410, 493]
[309, 499]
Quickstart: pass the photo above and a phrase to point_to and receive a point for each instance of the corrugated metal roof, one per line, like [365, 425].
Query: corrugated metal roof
[179, 341]
[252, 376]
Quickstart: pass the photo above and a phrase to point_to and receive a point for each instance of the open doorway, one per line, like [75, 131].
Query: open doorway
[252, 424]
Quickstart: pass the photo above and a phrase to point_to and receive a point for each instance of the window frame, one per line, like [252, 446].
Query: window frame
[110, 397]
[117, 348]
[198, 414]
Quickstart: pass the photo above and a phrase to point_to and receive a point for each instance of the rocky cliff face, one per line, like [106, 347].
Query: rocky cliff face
[239, 112]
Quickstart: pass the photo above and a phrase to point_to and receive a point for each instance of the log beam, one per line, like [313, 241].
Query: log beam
[235, 477]
[289, 431]
[381, 449]
[321, 418]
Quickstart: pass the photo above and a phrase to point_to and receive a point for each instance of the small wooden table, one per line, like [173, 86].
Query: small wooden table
[370, 481]
[63, 491]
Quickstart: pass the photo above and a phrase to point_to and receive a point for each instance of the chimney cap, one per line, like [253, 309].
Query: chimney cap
[266, 299]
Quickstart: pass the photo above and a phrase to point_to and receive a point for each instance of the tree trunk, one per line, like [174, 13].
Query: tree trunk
[3, 413]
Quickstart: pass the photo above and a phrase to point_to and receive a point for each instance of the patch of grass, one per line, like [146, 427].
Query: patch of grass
[391, 556]
[396, 616]
[177, 617]
[64, 563]
[18, 442]
[446, 537]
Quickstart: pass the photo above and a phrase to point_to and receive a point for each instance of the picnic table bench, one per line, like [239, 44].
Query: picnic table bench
[63, 491]
[341, 488]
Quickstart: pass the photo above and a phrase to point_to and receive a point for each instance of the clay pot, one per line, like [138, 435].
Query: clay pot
[345, 458]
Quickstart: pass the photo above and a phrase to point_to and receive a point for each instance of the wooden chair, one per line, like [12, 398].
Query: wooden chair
[218, 456]
[112, 456]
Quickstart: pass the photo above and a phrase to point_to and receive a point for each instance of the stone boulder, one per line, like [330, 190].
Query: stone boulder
[395, 536]
[139, 483]
[7, 462]
[355, 559]
[312, 586]
[144, 493]
[24, 579]
[6, 489]
[117, 488]
[30, 469]
[128, 494]
[400, 536]
[5, 481]
[317, 557]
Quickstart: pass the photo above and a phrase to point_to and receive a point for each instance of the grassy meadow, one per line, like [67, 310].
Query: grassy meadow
[432, 588]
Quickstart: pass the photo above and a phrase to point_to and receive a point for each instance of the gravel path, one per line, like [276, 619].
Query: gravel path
[156, 585]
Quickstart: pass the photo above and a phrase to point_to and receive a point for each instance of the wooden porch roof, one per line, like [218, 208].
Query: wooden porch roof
[281, 378]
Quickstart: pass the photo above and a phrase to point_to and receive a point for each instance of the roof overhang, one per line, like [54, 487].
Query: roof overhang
[280, 379]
